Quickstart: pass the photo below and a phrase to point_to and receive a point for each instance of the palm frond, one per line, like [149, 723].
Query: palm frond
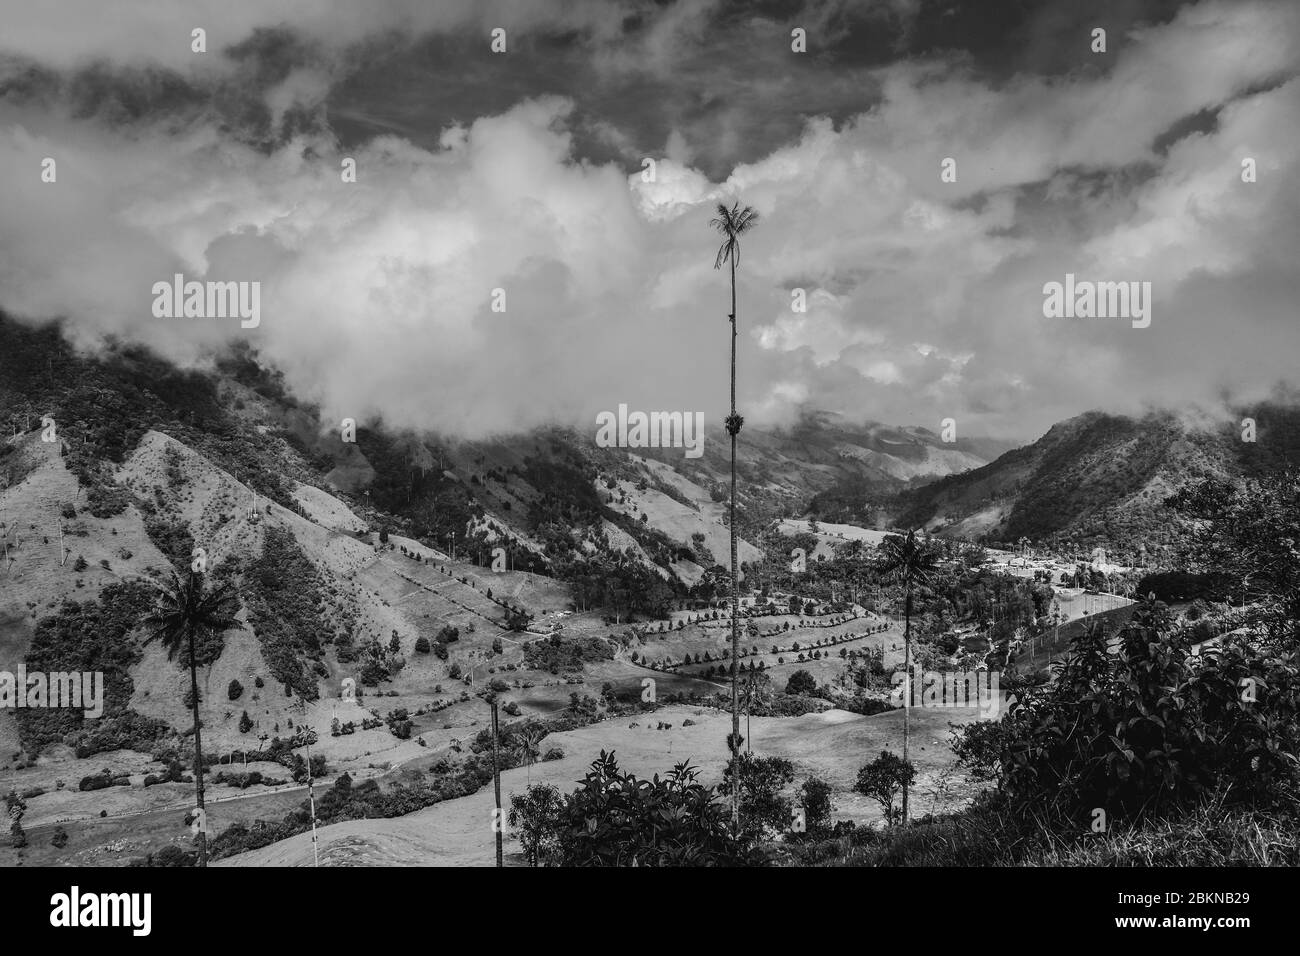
[732, 223]
[183, 605]
[908, 558]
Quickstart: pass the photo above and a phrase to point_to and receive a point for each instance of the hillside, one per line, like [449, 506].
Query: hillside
[1100, 478]
[371, 565]
[549, 498]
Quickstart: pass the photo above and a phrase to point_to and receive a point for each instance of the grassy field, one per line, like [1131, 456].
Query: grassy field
[833, 745]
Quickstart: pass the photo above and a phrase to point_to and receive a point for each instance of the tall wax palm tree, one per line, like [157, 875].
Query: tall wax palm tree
[733, 223]
[498, 820]
[528, 749]
[183, 610]
[913, 563]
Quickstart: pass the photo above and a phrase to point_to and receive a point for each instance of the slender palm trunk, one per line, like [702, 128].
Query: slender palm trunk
[735, 582]
[198, 753]
[749, 711]
[496, 782]
[907, 684]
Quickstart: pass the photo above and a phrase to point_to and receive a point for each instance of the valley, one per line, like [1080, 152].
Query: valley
[387, 589]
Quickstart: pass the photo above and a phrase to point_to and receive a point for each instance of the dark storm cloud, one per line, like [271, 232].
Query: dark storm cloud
[521, 172]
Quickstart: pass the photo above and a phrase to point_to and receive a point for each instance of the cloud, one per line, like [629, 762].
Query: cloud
[924, 297]
[69, 33]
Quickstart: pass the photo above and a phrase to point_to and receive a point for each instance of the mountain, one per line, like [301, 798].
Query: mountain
[367, 564]
[643, 524]
[1102, 478]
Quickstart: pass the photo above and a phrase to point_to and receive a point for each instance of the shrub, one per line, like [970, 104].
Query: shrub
[172, 856]
[801, 682]
[400, 724]
[299, 767]
[616, 819]
[103, 780]
[883, 779]
[1150, 728]
[535, 813]
[422, 645]
[815, 798]
[235, 690]
[763, 811]
[15, 807]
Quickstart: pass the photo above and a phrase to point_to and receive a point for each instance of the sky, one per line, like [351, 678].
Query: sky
[525, 171]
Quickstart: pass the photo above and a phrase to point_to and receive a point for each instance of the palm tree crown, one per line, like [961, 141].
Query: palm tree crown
[732, 223]
[184, 607]
[908, 559]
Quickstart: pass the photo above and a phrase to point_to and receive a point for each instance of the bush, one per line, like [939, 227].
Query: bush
[400, 724]
[801, 682]
[422, 645]
[235, 690]
[103, 780]
[1151, 728]
[815, 798]
[299, 767]
[763, 811]
[172, 856]
[616, 819]
[536, 814]
[883, 779]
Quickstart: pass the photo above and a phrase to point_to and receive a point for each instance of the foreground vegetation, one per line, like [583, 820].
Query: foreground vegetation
[1157, 751]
